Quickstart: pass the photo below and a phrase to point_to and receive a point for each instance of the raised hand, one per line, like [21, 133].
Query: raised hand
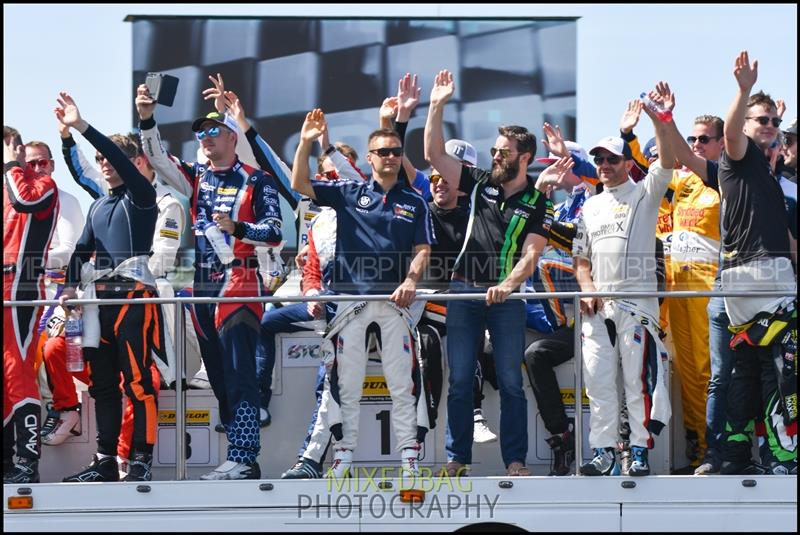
[780, 107]
[665, 96]
[314, 125]
[408, 92]
[63, 130]
[554, 140]
[217, 93]
[388, 110]
[13, 152]
[558, 175]
[145, 105]
[745, 74]
[234, 106]
[236, 110]
[67, 112]
[630, 117]
[443, 87]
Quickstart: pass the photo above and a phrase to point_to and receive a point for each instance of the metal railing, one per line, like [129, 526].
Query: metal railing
[180, 394]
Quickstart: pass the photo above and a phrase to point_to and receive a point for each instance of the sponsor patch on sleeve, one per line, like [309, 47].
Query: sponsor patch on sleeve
[173, 234]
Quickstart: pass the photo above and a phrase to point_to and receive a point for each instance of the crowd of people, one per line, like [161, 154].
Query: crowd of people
[714, 210]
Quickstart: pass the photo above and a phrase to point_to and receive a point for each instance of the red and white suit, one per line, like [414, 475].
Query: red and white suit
[30, 212]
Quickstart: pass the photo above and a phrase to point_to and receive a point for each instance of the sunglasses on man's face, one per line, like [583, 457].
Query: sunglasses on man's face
[504, 153]
[214, 131]
[386, 151]
[763, 120]
[612, 160]
[703, 140]
[435, 178]
[100, 159]
[39, 163]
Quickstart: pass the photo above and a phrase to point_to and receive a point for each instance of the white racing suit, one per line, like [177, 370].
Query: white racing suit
[617, 234]
[620, 332]
[339, 410]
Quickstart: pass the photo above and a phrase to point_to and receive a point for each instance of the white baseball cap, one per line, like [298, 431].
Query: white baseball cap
[219, 118]
[462, 151]
[614, 145]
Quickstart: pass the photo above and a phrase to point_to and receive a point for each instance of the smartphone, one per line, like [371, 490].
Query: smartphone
[162, 87]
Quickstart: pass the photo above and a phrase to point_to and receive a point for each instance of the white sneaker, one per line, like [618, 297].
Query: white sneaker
[342, 461]
[68, 424]
[199, 383]
[233, 470]
[409, 461]
[122, 464]
[481, 434]
[200, 379]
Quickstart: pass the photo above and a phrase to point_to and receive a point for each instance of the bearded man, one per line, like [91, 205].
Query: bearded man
[508, 228]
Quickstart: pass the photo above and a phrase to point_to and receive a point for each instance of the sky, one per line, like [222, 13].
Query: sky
[623, 50]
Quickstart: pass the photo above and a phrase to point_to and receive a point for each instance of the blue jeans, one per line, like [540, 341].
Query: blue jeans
[277, 320]
[466, 323]
[719, 338]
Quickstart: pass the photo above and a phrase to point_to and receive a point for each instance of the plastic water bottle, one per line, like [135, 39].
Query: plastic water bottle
[216, 237]
[664, 115]
[73, 334]
[320, 325]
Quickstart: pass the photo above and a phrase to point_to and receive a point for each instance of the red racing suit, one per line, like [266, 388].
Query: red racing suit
[30, 212]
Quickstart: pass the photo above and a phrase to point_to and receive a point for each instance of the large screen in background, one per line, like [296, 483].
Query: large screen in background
[520, 71]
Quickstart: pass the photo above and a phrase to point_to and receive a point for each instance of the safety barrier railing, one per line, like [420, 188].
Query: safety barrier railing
[180, 394]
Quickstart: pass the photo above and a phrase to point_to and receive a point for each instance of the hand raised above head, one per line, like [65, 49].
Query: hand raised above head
[665, 96]
[388, 109]
[68, 107]
[13, 151]
[745, 73]
[408, 92]
[313, 126]
[236, 110]
[553, 140]
[145, 104]
[217, 92]
[443, 87]
[780, 107]
[630, 117]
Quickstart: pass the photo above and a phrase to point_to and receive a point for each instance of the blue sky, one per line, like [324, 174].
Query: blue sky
[622, 51]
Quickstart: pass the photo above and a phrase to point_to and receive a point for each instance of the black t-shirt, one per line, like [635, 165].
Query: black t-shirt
[497, 226]
[450, 225]
[754, 221]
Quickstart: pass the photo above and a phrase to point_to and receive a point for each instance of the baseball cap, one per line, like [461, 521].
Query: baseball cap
[650, 149]
[462, 151]
[573, 148]
[219, 118]
[792, 127]
[614, 145]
